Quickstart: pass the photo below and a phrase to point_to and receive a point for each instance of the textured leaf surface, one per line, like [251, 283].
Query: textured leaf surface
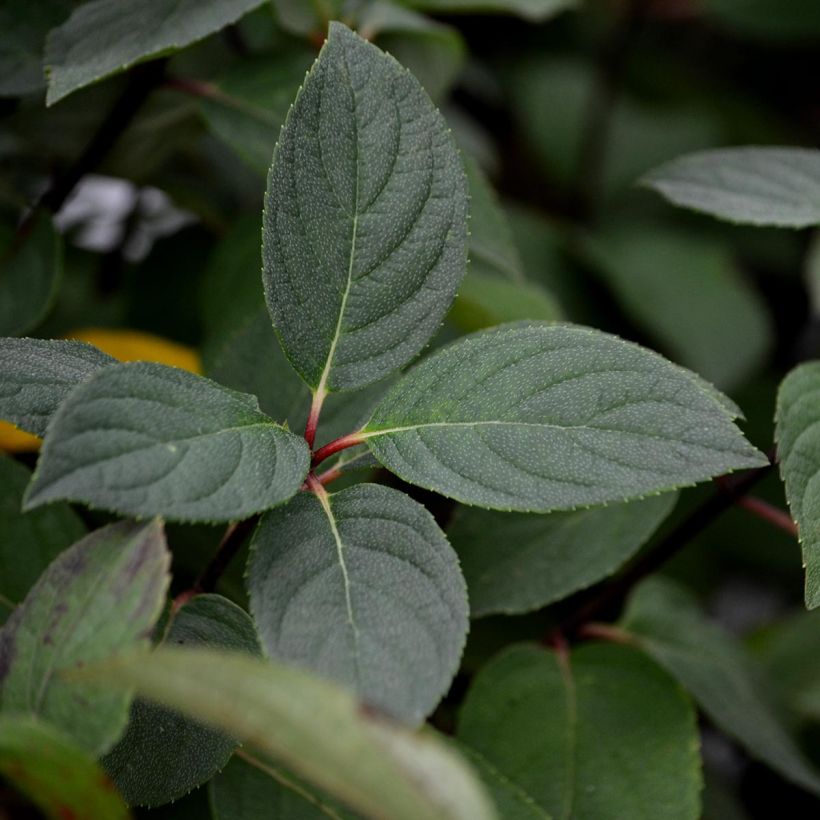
[519, 562]
[251, 360]
[164, 755]
[365, 227]
[62, 780]
[362, 587]
[144, 439]
[667, 624]
[36, 375]
[30, 268]
[104, 37]
[539, 418]
[752, 186]
[685, 290]
[100, 596]
[314, 728]
[602, 734]
[244, 792]
[29, 542]
[797, 430]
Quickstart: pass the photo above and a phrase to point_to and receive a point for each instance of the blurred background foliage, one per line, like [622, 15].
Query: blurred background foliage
[148, 240]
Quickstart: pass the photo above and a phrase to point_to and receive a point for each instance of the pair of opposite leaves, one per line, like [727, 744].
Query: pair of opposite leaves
[365, 243]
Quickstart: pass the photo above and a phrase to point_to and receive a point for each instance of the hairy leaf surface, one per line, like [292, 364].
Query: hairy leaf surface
[365, 227]
[361, 586]
[100, 596]
[313, 727]
[144, 439]
[547, 417]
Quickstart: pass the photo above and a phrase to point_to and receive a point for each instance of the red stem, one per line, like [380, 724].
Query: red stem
[336, 446]
[313, 417]
[768, 512]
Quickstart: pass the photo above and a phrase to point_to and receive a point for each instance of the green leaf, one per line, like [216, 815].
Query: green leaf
[435, 53]
[162, 754]
[251, 360]
[752, 186]
[36, 375]
[104, 37]
[60, 779]
[769, 20]
[601, 733]
[30, 268]
[798, 440]
[23, 29]
[361, 262]
[100, 596]
[299, 17]
[539, 417]
[362, 587]
[29, 542]
[312, 727]
[245, 792]
[686, 291]
[247, 106]
[519, 562]
[665, 622]
[532, 10]
[144, 439]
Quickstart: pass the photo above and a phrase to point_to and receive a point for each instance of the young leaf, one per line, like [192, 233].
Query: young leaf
[365, 226]
[362, 587]
[144, 439]
[36, 375]
[245, 792]
[665, 622]
[100, 596]
[602, 733]
[519, 562]
[162, 754]
[546, 417]
[312, 727]
[753, 186]
[104, 37]
[796, 431]
[59, 778]
[30, 268]
[29, 542]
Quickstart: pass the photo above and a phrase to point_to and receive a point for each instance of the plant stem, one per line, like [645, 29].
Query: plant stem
[763, 510]
[313, 416]
[612, 593]
[336, 446]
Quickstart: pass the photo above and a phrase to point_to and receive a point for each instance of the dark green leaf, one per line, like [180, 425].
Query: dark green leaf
[100, 596]
[362, 259]
[602, 733]
[104, 37]
[36, 375]
[752, 186]
[798, 446]
[547, 417]
[311, 726]
[519, 562]
[144, 439]
[664, 620]
[30, 268]
[362, 587]
[29, 542]
[61, 779]
[162, 754]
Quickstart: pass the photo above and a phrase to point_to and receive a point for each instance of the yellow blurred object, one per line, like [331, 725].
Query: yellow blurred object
[123, 344]
[15, 440]
[136, 346]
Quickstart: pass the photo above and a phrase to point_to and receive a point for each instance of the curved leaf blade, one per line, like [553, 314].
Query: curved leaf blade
[365, 226]
[313, 727]
[101, 596]
[779, 187]
[145, 439]
[362, 587]
[538, 418]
